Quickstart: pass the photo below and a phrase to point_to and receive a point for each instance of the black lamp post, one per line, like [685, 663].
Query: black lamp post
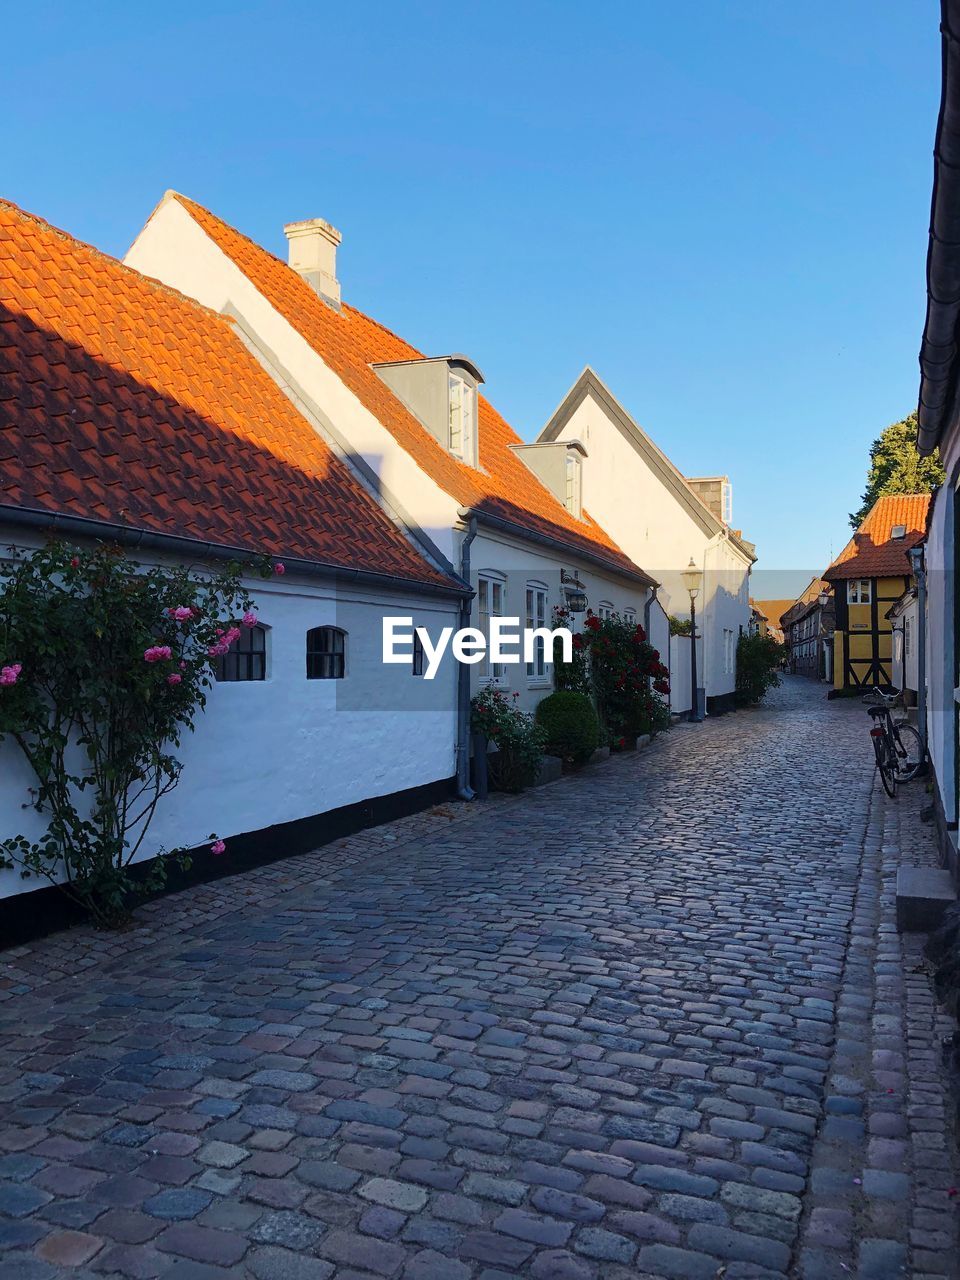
[692, 578]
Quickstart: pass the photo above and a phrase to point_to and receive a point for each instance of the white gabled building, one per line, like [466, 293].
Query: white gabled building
[131, 415]
[507, 516]
[663, 520]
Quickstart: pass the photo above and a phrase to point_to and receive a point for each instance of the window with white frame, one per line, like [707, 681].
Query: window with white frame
[858, 591]
[490, 597]
[604, 609]
[728, 651]
[630, 615]
[727, 502]
[463, 416]
[537, 617]
[573, 483]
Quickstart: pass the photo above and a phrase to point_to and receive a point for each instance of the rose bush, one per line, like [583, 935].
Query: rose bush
[628, 681]
[518, 738]
[105, 664]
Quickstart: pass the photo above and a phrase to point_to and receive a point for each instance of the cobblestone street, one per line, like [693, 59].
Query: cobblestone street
[653, 1020]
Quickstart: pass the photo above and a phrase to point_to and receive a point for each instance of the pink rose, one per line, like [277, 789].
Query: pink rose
[218, 847]
[182, 613]
[183, 666]
[10, 675]
[250, 619]
[158, 653]
[279, 568]
[75, 562]
[175, 678]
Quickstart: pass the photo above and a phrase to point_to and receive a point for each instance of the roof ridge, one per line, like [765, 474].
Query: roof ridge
[151, 282]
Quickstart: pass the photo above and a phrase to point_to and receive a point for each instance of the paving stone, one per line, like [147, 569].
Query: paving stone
[428, 1265]
[69, 1248]
[394, 1195]
[203, 1244]
[178, 1203]
[291, 1230]
[270, 1263]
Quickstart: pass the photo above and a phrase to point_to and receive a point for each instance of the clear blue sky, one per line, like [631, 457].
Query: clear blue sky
[721, 206]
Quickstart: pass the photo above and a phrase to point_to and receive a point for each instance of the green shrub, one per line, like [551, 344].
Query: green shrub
[570, 724]
[758, 658]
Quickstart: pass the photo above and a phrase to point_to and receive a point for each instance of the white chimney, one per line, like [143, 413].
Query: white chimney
[313, 255]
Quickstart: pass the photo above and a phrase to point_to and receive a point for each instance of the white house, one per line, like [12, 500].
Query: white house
[130, 414]
[508, 517]
[663, 520]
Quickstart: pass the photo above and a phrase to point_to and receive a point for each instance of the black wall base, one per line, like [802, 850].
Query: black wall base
[38, 912]
[719, 704]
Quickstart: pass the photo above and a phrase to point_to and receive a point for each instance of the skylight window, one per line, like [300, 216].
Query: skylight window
[898, 531]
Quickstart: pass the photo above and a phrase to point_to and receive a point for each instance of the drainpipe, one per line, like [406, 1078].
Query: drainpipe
[647, 610]
[464, 790]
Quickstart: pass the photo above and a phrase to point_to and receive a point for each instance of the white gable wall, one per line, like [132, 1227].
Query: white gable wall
[630, 500]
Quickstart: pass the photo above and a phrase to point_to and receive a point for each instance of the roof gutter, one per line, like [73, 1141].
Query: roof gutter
[940, 351]
[555, 544]
[58, 524]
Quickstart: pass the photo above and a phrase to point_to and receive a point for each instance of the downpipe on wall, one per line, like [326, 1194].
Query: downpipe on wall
[464, 790]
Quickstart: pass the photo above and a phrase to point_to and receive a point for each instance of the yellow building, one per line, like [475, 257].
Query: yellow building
[869, 576]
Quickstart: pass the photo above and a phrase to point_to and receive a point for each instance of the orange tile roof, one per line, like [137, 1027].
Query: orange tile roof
[773, 610]
[123, 401]
[871, 552]
[349, 342]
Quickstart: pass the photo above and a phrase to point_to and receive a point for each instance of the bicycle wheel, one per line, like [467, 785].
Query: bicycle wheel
[885, 766]
[908, 750]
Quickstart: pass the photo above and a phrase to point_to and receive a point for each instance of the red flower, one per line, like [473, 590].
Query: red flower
[592, 622]
[578, 642]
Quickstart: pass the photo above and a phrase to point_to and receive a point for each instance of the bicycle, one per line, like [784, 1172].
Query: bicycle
[896, 743]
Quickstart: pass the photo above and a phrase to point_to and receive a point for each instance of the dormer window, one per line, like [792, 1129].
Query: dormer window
[572, 477]
[441, 392]
[462, 418]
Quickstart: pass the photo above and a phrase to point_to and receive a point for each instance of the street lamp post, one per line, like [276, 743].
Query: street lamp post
[692, 578]
[823, 599]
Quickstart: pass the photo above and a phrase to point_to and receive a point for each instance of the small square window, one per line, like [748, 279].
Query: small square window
[326, 653]
[247, 658]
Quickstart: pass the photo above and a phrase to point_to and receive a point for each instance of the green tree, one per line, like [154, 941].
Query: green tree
[896, 467]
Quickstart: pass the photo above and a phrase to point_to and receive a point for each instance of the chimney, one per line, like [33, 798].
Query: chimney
[313, 255]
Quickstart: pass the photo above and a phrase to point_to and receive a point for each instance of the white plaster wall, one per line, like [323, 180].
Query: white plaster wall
[174, 248]
[287, 747]
[521, 562]
[644, 517]
[941, 707]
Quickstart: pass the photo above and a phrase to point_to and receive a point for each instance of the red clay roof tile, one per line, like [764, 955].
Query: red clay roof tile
[122, 400]
[872, 552]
